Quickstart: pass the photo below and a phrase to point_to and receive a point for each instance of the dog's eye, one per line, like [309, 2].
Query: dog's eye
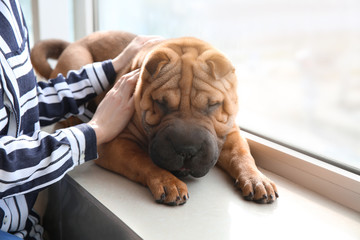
[162, 105]
[212, 106]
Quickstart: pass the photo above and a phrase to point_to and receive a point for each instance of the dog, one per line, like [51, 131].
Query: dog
[184, 120]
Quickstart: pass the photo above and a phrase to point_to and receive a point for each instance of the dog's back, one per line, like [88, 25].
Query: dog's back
[96, 47]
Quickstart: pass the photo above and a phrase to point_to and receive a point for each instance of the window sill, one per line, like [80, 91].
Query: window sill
[332, 182]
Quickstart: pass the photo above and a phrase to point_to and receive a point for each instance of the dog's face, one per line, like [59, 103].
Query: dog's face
[186, 100]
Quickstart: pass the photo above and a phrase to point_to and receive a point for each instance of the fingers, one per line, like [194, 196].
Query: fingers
[141, 41]
[130, 74]
[116, 109]
[132, 49]
[126, 84]
[130, 77]
[127, 76]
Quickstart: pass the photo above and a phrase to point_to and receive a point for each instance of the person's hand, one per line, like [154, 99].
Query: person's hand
[132, 49]
[116, 109]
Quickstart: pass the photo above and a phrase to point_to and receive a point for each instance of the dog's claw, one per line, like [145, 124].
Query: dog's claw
[262, 200]
[236, 183]
[162, 198]
[249, 197]
[272, 199]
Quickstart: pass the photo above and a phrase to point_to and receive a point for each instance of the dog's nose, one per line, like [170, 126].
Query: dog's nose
[184, 147]
[187, 152]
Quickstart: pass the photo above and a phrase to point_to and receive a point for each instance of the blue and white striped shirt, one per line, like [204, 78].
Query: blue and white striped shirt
[31, 159]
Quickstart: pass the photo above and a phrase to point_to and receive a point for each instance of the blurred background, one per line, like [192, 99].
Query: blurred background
[297, 62]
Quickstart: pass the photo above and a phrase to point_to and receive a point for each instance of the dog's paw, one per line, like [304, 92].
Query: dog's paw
[168, 190]
[257, 187]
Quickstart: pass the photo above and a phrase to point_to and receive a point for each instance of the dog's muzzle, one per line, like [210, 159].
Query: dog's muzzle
[184, 148]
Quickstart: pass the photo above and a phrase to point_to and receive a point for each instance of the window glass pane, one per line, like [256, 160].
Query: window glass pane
[47, 22]
[26, 8]
[298, 62]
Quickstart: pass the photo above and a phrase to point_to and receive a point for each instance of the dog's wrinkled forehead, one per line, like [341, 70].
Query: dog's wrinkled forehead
[187, 75]
[188, 51]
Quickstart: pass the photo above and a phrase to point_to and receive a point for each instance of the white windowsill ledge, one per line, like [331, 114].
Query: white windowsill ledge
[215, 209]
[330, 181]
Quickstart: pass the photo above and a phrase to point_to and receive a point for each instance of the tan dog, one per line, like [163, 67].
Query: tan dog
[185, 106]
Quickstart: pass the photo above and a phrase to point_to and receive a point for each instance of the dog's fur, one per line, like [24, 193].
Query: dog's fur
[185, 106]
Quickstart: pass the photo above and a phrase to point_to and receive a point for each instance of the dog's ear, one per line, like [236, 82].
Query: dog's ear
[155, 63]
[215, 63]
[219, 66]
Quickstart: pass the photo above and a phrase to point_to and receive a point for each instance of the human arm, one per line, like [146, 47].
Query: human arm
[63, 97]
[31, 162]
[32, 159]
[67, 96]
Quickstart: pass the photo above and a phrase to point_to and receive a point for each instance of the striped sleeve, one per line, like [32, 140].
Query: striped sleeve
[33, 162]
[64, 97]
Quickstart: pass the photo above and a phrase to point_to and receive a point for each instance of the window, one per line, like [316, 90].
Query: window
[298, 63]
[49, 19]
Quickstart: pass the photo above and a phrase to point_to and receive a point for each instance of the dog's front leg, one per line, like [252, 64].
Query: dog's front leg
[125, 157]
[236, 159]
